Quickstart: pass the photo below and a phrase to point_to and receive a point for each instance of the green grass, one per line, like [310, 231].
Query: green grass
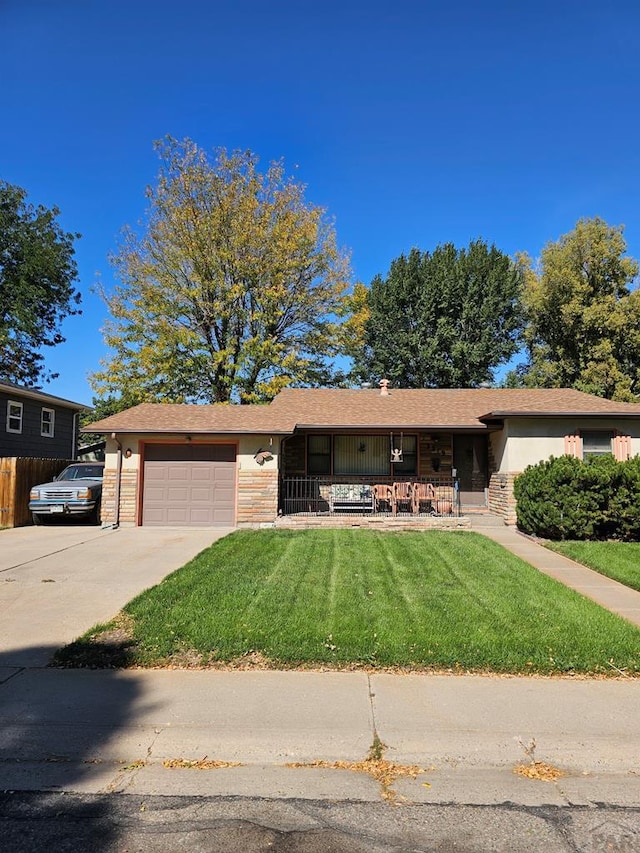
[436, 600]
[617, 560]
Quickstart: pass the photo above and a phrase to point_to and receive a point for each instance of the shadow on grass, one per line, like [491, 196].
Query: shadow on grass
[109, 648]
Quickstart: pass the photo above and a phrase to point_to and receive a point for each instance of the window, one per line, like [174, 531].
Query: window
[319, 454]
[47, 422]
[596, 443]
[409, 464]
[14, 416]
[361, 454]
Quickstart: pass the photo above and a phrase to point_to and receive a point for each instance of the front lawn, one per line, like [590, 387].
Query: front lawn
[435, 600]
[617, 560]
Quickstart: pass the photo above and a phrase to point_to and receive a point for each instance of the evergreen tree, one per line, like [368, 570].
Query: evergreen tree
[442, 319]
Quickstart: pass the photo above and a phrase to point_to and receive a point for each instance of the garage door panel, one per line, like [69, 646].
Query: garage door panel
[154, 473]
[176, 515]
[154, 491]
[178, 472]
[177, 493]
[202, 516]
[202, 473]
[189, 485]
[203, 495]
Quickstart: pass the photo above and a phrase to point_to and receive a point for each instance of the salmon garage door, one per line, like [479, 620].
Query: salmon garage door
[189, 485]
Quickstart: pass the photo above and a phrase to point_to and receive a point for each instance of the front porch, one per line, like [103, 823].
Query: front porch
[367, 478]
[370, 497]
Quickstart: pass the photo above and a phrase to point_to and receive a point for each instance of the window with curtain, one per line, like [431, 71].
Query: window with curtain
[361, 454]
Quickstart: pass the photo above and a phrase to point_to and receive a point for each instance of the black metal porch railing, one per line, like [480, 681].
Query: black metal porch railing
[357, 495]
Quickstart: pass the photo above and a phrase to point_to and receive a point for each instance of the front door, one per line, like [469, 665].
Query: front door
[470, 460]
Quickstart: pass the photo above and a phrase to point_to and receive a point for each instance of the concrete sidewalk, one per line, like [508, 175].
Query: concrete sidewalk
[104, 731]
[604, 591]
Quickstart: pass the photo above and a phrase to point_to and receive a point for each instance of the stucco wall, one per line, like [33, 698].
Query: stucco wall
[257, 484]
[530, 440]
[527, 441]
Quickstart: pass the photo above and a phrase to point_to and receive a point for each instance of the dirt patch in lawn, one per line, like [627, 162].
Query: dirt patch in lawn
[112, 647]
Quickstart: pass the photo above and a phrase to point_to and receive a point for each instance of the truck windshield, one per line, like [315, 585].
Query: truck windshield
[81, 472]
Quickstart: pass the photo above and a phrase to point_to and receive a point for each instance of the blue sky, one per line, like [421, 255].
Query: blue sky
[413, 123]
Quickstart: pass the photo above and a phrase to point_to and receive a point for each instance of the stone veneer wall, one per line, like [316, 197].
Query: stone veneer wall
[257, 497]
[128, 497]
[501, 499]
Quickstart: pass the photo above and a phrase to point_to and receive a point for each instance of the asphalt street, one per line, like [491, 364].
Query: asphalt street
[69, 823]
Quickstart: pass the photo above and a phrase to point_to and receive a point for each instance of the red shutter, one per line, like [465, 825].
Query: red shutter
[622, 447]
[573, 445]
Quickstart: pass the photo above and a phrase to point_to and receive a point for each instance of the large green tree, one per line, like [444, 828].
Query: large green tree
[232, 289]
[442, 319]
[37, 292]
[583, 317]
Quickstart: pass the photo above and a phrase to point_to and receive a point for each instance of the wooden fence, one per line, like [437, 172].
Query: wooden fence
[18, 475]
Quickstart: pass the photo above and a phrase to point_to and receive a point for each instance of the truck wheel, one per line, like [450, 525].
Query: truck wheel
[37, 519]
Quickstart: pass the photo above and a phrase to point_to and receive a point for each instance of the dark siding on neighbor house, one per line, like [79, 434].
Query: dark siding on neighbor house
[30, 442]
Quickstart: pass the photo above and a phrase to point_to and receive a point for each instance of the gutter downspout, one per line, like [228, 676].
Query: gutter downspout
[116, 523]
[74, 437]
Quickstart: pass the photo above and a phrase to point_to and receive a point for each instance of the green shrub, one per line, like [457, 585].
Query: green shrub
[566, 498]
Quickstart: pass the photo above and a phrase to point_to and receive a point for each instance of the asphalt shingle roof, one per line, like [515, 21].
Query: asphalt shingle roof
[352, 408]
[42, 397]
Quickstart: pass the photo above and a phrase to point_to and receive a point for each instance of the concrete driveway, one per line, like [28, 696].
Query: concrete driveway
[58, 581]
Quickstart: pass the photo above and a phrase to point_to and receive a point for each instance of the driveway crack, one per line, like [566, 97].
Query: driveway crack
[49, 554]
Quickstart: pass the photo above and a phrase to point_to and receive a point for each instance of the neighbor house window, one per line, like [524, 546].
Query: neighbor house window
[47, 422]
[14, 416]
[596, 443]
[319, 454]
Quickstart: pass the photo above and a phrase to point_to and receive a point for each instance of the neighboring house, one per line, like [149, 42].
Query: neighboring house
[36, 424]
[223, 465]
[91, 452]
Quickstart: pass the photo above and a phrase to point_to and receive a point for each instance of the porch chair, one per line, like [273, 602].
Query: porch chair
[382, 497]
[444, 500]
[402, 496]
[423, 496]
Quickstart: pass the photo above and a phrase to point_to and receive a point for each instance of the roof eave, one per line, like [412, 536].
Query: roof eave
[518, 413]
[119, 430]
[43, 397]
[397, 427]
